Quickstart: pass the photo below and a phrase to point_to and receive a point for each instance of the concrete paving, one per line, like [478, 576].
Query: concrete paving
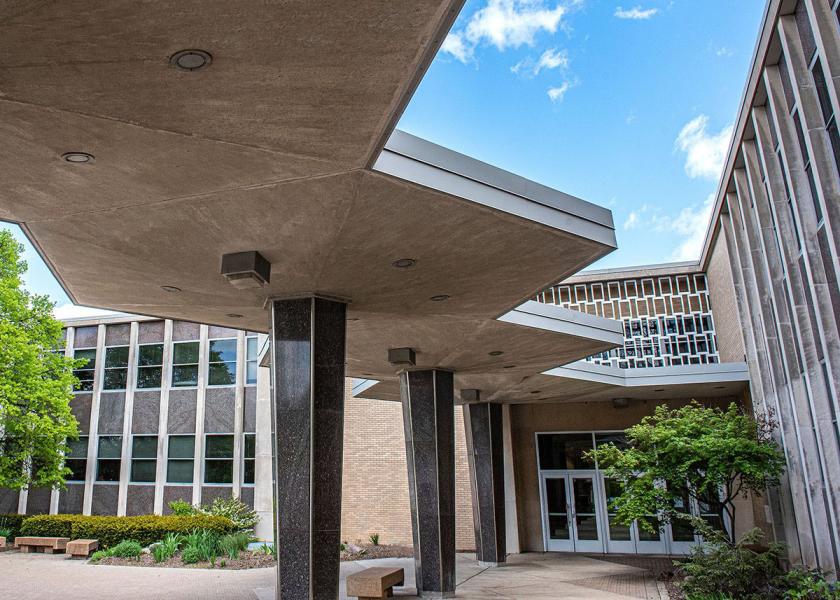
[532, 576]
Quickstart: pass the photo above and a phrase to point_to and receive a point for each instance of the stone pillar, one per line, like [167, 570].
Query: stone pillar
[485, 453]
[308, 349]
[428, 401]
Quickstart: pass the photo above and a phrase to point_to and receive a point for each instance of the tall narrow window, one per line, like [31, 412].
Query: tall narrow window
[222, 362]
[185, 364]
[249, 457]
[143, 458]
[218, 459]
[76, 459]
[116, 368]
[251, 360]
[86, 372]
[149, 366]
[109, 458]
[180, 459]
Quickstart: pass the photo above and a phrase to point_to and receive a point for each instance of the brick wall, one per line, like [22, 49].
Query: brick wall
[722, 295]
[375, 489]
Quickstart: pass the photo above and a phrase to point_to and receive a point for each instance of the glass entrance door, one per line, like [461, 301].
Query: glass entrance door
[571, 514]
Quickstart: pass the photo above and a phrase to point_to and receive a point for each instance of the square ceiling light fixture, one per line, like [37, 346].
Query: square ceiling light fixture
[246, 270]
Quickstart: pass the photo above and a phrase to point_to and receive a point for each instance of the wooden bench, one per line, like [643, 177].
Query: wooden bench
[47, 545]
[375, 582]
[3, 545]
[82, 548]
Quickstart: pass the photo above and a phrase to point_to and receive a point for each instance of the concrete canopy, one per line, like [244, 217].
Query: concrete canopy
[284, 144]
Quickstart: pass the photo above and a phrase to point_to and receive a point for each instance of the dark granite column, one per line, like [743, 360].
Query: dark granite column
[308, 394]
[485, 453]
[429, 417]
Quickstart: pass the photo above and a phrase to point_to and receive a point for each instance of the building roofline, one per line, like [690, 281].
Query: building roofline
[635, 272]
[660, 376]
[772, 10]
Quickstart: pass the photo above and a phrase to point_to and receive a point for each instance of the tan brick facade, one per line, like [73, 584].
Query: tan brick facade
[375, 490]
[730, 341]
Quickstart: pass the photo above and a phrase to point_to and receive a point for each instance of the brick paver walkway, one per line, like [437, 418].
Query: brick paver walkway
[531, 576]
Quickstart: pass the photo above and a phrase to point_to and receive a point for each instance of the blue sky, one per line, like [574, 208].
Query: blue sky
[627, 105]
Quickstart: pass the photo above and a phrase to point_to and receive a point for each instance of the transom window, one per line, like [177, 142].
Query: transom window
[76, 458]
[218, 459]
[109, 458]
[149, 366]
[116, 368]
[86, 372]
[143, 458]
[249, 458]
[222, 362]
[185, 357]
[180, 459]
[251, 360]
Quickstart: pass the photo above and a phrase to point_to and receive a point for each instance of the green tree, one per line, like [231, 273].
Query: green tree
[36, 381]
[708, 454]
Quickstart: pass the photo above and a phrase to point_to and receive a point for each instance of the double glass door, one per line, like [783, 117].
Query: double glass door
[571, 518]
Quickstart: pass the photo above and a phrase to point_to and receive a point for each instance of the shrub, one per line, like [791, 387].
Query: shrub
[110, 531]
[190, 555]
[243, 517]
[205, 542]
[126, 549]
[182, 508]
[374, 539]
[717, 569]
[11, 524]
[800, 584]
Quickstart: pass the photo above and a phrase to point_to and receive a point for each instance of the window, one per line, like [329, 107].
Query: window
[185, 364]
[149, 365]
[250, 454]
[108, 458]
[222, 363]
[565, 450]
[116, 368]
[218, 459]
[85, 372]
[143, 458]
[76, 458]
[251, 360]
[180, 459]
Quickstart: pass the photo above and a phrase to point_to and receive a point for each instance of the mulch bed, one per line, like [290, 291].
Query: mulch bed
[246, 560]
[258, 560]
[368, 551]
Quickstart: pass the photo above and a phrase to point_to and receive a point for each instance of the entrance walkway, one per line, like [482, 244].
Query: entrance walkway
[531, 576]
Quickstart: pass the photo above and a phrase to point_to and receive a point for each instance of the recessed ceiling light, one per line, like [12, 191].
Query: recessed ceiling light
[234, 315]
[439, 298]
[720, 387]
[404, 263]
[495, 353]
[170, 288]
[78, 158]
[190, 60]
[537, 392]
[509, 366]
[659, 390]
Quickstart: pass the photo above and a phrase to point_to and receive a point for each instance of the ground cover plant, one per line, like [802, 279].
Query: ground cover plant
[243, 517]
[125, 549]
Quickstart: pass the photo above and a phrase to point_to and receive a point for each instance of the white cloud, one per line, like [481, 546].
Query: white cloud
[558, 93]
[632, 220]
[724, 51]
[504, 24]
[636, 13]
[454, 44]
[705, 152]
[550, 59]
[691, 224]
[74, 311]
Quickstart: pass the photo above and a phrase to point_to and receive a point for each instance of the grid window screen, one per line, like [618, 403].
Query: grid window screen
[185, 364]
[668, 323]
[180, 459]
[86, 372]
[149, 366]
[222, 363]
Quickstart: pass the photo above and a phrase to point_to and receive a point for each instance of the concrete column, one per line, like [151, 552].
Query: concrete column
[428, 401]
[201, 395]
[93, 440]
[163, 417]
[239, 415]
[69, 334]
[308, 350]
[263, 469]
[128, 414]
[485, 454]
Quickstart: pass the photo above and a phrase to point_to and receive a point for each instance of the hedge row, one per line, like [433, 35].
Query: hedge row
[110, 531]
[13, 522]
